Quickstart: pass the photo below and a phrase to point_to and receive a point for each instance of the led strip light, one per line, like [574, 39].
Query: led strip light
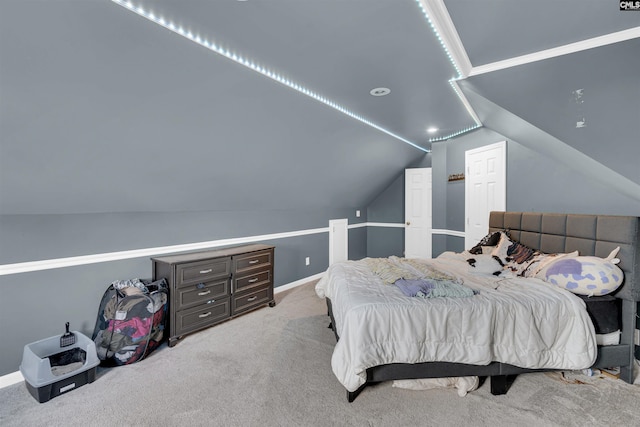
[452, 82]
[257, 68]
[442, 43]
[464, 101]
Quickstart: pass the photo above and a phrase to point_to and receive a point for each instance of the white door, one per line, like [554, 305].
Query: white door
[417, 212]
[338, 240]
[485, 189]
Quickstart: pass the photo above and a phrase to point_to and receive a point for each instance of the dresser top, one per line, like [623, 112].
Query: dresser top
[216, 253]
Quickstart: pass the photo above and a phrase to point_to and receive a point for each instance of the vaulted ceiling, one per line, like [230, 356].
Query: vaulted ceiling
[94, 93]
[341, 50]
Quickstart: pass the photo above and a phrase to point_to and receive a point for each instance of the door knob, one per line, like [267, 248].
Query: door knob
[408, 223]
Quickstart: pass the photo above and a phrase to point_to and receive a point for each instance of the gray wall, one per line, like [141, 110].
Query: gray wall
[52, 297]
[387, 207]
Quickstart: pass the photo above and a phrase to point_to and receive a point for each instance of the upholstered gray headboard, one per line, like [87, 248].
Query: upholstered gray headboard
[589, 234]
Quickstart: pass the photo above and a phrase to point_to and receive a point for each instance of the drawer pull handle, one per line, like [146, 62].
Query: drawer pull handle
[254, 280]
[206, 271]
[254, 261]
[253, 298]
[207, 292]
[207, 314]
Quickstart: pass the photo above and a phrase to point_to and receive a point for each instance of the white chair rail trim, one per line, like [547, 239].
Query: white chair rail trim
[48, 264]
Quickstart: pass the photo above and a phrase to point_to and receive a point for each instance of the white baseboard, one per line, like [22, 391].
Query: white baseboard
[11, 379]
[16, 377]
[297, 283]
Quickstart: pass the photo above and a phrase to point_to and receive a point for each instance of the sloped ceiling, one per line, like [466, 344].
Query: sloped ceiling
[496, 30]
[104, 109]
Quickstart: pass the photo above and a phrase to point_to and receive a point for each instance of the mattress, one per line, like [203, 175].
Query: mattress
[523, 322]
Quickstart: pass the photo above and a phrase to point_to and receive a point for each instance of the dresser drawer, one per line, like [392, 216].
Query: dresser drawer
[252, 299]
[252, 261]
[254, 280]
[202, 271]
[201, 293]
[201, 316]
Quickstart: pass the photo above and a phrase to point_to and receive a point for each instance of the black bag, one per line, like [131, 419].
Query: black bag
[131, 321]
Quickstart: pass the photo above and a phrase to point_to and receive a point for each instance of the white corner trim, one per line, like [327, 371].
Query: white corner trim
[465, 102]
[48, 264]
[616, 37]
[442, 23]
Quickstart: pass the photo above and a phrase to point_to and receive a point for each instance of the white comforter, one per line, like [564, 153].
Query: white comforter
[522, 322]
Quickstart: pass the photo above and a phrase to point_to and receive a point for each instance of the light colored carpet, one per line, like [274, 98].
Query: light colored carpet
[272, 367]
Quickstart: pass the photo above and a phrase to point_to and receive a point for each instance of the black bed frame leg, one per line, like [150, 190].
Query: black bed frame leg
[500, 384]
[351, 395]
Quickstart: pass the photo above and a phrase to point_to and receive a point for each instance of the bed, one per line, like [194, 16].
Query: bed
[510, 325]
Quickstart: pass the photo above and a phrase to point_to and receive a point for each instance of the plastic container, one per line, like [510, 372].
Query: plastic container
[50, 370]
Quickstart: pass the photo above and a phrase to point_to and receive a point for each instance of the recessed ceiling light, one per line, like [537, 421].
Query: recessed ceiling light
[432, 129]
[380, 91]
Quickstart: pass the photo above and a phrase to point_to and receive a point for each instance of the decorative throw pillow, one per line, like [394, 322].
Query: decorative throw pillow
[585, 275]
[485, 264]
[502, 248]
[514, 255]
[541, 261]
[489, 240]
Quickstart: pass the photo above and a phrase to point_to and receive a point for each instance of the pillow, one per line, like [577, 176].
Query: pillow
[485, 264]
[490, 239]
[541, 261]
[514, 255]
[521, 259]
[585, 275]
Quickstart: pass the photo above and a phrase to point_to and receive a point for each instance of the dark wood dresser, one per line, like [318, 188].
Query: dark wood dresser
[209, 287]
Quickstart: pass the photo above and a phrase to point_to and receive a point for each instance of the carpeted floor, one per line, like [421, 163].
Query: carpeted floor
[272, 367]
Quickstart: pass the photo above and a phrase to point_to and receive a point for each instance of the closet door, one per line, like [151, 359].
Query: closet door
[485, 189]
[418, 213]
